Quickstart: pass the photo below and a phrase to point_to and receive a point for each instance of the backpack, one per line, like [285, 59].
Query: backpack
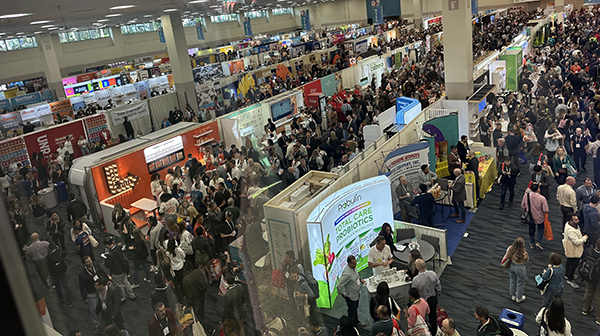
[589, 269]
[314, 285]
[201, 258]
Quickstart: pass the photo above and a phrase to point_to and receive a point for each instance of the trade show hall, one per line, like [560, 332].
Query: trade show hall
[331, 167]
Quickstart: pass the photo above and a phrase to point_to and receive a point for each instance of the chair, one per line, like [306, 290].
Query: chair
[443, 182]
[435, 242]
[402, 234]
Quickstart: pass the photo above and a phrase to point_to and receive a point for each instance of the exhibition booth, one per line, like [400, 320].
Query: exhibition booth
[121, 174]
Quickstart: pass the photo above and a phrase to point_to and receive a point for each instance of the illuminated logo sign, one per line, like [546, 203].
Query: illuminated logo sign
[117, 184]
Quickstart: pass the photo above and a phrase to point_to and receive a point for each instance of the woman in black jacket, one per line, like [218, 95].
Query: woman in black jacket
[382, 298]
[140, 257]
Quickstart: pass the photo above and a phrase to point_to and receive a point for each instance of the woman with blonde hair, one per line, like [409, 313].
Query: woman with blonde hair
[182, 211]
[563, 166]
[215, 179]
[517, 255]
[118, 216]
[164, 264]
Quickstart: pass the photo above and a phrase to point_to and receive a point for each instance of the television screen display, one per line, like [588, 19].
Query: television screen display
[281, 109]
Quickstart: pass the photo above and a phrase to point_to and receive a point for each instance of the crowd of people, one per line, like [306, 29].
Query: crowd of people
[188, 242]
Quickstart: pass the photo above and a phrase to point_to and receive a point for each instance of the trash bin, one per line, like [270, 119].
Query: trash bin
[48, 197]
[61, 191]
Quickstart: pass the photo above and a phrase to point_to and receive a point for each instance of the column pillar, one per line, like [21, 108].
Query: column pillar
[49, 43]
[180, 62]
[458, 48]
[315, 17]
[559, 9]
[418, 14]
[117, 39]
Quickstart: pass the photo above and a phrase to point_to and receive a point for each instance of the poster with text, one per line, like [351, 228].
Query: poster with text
[405, 161]
[344, 224]
[134, 111]
[48, 141]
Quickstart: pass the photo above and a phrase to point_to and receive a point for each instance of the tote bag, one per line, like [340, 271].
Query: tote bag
[420, 328]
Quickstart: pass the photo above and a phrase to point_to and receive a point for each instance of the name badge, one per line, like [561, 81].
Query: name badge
[104, 306]
[96, 278]
[358, 282]
[577, 145]
[564, 165]
[166, 330]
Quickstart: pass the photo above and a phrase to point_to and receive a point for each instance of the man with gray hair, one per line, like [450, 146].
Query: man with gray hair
[430, 288]
[459, 196]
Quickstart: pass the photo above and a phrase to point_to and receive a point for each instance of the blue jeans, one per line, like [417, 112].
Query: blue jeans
[550, 294]
[518, 274]
[352, 310]
[533, 237]
[61, 281]
[92, 302]
[136, 266]
[461, 206]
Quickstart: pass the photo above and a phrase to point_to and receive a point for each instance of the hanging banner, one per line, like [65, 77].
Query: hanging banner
[474, 7]
[405, 161]
[247, 26]
[5, 104]
[27, 99]
[61, 108]
[199, 31]
[305, 19]
[377, 12]
[35, 112]
[161, 35]
[9, 121]
[46, 95]
[132, 111]
[48, 140]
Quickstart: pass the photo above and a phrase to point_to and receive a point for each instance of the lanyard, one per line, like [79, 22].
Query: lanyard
[93, 268]
[160, 324]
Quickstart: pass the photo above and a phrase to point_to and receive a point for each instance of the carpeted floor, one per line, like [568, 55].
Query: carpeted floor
[475, 277]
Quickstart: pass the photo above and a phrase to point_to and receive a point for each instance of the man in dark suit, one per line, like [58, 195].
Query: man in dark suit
[459, 196]
[288, 176]
[473, 166]
[109, 303]
[463, 148]
[425, 202]
[453, 161]
[508, 173]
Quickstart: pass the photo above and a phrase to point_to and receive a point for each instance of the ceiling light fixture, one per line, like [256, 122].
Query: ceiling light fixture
[170, 10]
[52, 28]
[122, 7]
[112, 15]
[37, 32]
[197, 1]
[20, 33]
[101, 20]
[97, 23]
[149, 15]
[2, 34]
[40, 22]
[13, 16]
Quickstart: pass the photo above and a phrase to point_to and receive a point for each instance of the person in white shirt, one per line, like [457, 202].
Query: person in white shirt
[380, 256]
[69, 145]
[235, 171]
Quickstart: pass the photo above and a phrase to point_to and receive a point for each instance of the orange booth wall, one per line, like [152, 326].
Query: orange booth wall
[135, 163]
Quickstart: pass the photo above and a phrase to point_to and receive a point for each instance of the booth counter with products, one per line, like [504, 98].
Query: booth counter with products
[121, 174]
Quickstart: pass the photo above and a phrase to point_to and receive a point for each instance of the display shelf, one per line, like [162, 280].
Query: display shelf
[205, 142]
[203, 134]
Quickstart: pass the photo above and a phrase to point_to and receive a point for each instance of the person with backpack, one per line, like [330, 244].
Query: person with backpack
[553, 321]
[589, 270]
[305, 293]
[490, 325]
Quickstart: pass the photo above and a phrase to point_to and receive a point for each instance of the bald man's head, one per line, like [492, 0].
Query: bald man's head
[457, 171]
[571, 181]
[35, 236]
[420, 264]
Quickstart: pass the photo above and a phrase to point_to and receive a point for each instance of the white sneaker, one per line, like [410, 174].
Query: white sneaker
[514, 297]
[572, 284]
[521, 299]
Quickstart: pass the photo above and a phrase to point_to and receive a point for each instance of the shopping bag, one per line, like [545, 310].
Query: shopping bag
[222, 286]
[277, 279]
[420, 328]
[441, 315]
[547, 228]
[216, 269]
[93, 241]
[522, 158]
[197, 329]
